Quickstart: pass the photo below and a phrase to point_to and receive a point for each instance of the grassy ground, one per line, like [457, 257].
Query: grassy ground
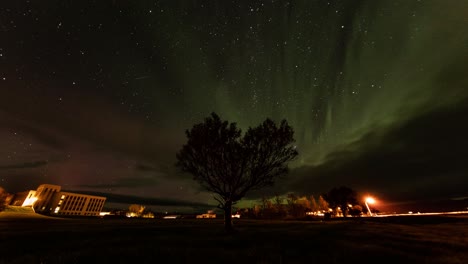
[389, 240]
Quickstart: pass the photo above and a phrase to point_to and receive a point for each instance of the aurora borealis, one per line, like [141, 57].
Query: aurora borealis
[96, 95]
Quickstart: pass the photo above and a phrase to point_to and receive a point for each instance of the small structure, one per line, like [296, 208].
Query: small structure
[209, 214]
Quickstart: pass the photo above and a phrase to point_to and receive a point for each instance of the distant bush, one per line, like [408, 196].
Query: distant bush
[3, 196]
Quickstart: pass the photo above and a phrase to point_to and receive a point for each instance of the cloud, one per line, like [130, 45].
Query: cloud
[142, 167]
[130, 199]
[41, 134]
[19, 180]
[25, 165]
[422, 157]
[125, 182]
[100, 123]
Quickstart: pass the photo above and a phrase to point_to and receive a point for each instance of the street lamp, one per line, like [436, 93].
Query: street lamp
[369, 200]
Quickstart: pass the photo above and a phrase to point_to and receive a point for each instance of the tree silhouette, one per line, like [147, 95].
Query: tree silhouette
[341, 197]
[136, 210]
[313, 204]
[322, 204]
[230, 165]
[3, 197]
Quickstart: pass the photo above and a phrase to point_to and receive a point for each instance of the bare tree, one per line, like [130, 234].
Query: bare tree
[136, 210]
[313, 204]
[229, 165]
[3, 198]
[298, 206]
[322, 204]
[292, 204]
[279, 206]
[267, 207]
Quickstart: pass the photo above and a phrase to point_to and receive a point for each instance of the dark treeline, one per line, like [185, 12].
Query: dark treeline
[338, 202]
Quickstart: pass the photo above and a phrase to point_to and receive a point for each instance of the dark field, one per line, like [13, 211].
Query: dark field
[420, 239]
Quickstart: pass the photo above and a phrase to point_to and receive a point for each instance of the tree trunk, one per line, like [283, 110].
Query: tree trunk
[228, 216]
[344, 210]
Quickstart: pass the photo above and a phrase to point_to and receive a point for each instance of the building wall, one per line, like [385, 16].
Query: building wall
[45, 194]
[48, 199]
[78, 204]
[29, 199]
[18, 198]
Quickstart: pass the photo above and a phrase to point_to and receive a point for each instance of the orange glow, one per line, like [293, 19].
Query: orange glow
[370, 200]
[29, 201]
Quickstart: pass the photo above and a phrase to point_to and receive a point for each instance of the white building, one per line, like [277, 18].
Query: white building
[48, 199]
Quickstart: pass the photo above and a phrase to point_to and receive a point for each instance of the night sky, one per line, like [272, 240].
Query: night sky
[96, 95]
